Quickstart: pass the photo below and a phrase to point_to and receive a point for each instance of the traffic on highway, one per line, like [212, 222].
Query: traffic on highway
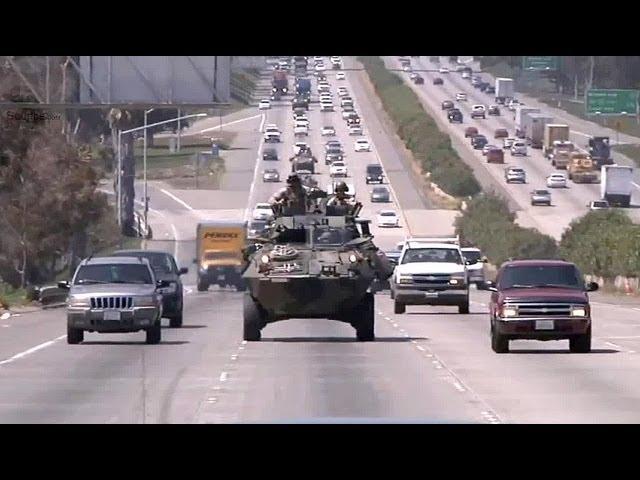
[323, 279]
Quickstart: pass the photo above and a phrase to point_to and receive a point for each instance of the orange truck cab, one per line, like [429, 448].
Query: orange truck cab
[219, 249]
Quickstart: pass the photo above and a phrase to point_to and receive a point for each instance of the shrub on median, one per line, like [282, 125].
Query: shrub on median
[488, 224]
[420, 133]
[603, 243]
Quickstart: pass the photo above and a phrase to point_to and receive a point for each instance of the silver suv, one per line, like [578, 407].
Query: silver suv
[114, 295]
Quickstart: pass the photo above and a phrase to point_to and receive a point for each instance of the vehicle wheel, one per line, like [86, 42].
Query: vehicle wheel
[253, 319]
[399, 307]
[464, 307]
[154, 334]
[202, 286]
[499, 343]
[176, 320]
[366, 319]
[581, 344]
[74, 335]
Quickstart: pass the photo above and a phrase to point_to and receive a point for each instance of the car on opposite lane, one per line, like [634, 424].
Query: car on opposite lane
[461, 97]
[388, 218]
[479, 111]
[541, 197]
[340, 76]
[328, 131]
[446, 105]
[270, 175]
[380, 194]
[355, 129]
[362, 145]
[443, 70]
[264, 105]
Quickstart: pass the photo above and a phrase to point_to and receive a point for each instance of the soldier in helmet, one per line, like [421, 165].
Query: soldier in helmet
[341, 196]
[294, 195]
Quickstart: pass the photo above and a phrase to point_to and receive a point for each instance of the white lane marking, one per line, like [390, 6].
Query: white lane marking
[264, 118]
[229, 123]
[420, 348]
[223, 376]
[478, 303]
[635, 185]
[5, 316]
[181, 202]
[6, 326]
[613, 345]
[31, 350]
[459, 387]
[387, 318]
[633, 337]
[212, 400]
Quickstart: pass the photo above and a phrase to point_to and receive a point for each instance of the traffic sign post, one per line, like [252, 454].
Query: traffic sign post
[612, 102]
[544, 64]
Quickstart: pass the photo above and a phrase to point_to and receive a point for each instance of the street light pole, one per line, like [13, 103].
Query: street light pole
[144, 162]
[119, 177]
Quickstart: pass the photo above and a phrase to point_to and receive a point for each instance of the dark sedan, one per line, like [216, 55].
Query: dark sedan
[380, 194]
[270, 154]
[165, 268]
[479, 141]
[446, 105]
[438, 81]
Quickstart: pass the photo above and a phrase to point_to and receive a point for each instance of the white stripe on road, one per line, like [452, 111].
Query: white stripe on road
[32, 350]
[229, 123]
[181, 202]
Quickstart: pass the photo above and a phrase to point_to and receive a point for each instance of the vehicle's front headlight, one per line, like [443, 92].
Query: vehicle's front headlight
[509, 311]
[78, 302]
[404, 279]
[144, 301]
[579, 311]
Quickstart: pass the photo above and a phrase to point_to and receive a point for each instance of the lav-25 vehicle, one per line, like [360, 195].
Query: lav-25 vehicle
[303, 162]
[317, 263]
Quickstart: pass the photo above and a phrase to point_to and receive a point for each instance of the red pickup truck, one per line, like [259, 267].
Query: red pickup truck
[540, 300]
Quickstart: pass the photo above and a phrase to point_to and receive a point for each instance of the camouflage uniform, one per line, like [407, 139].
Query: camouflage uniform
[340, 197]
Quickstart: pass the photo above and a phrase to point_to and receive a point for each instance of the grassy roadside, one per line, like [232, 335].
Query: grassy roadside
[428, 144]
[631, 151]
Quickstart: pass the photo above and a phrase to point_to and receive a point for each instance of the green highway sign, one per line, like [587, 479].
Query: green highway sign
[545, 64]
[612, 102]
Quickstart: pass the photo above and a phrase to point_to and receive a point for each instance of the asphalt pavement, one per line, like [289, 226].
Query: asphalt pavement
[430, 364]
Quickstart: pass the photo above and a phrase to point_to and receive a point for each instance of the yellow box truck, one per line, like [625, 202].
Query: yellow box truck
[553, 132]
[219, 249]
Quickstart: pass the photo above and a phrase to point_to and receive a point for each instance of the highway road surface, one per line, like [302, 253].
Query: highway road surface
[428, 365]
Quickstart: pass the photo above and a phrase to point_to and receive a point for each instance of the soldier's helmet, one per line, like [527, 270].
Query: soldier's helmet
[293, 180]
[341, 187]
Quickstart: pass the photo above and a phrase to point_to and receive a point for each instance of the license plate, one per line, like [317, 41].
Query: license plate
[112, 314]
[544, 325]
[220, 277]
[431, 294]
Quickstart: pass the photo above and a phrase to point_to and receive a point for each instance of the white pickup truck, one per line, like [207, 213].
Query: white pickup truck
[431, 271]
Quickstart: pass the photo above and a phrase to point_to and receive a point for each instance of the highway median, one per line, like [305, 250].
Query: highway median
[431, 148]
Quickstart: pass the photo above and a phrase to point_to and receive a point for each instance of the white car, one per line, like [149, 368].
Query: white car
[413, 75]
[320, 67]
[507, 143]
[298, 146]
[302, 122]
[461, 97]
[598, 205]
[478, 111]
[326, 107]
[328, 132]
[270, 126]
[388, 218]
[362, 145]
[346, 102]
[355, 130]
[264, 105]
[301, 130]
[519, 148]
[466, 74]
[338, 169]
[343, 92]
[318, 59]
[324, 87]
[443, 70]
[325, 98]
[262, 211]
[272, 135]
[557, 180]
[346, 113]
[335, 58]
[407, 68]
[340, 76]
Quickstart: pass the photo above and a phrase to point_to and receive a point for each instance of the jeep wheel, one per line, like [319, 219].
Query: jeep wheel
[365, 319]
[74, 335]
[253, 319]
[581, 344]
[154, 334]
[176, 320]
[399, 307]
[202, 286]
[499, 343]
[464, 307]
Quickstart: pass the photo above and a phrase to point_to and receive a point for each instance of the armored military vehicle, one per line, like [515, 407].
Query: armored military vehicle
[317, 263]
[303, 162]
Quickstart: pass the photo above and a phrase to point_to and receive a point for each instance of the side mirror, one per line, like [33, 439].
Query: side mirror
[592, 286]
[163, 283]
[183, 271]
[64, 285]
[470, 262]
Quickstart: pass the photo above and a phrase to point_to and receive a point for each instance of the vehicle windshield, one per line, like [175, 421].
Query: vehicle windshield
[160, 262]
[541, 192]
[374, 170]
[540, 276]
[387, 214]
[439, 255]
[331, 236]
[472, 255]
[380, 190]
[113, 273]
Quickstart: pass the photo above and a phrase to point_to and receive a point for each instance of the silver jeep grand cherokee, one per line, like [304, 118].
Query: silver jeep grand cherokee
[114, 295]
